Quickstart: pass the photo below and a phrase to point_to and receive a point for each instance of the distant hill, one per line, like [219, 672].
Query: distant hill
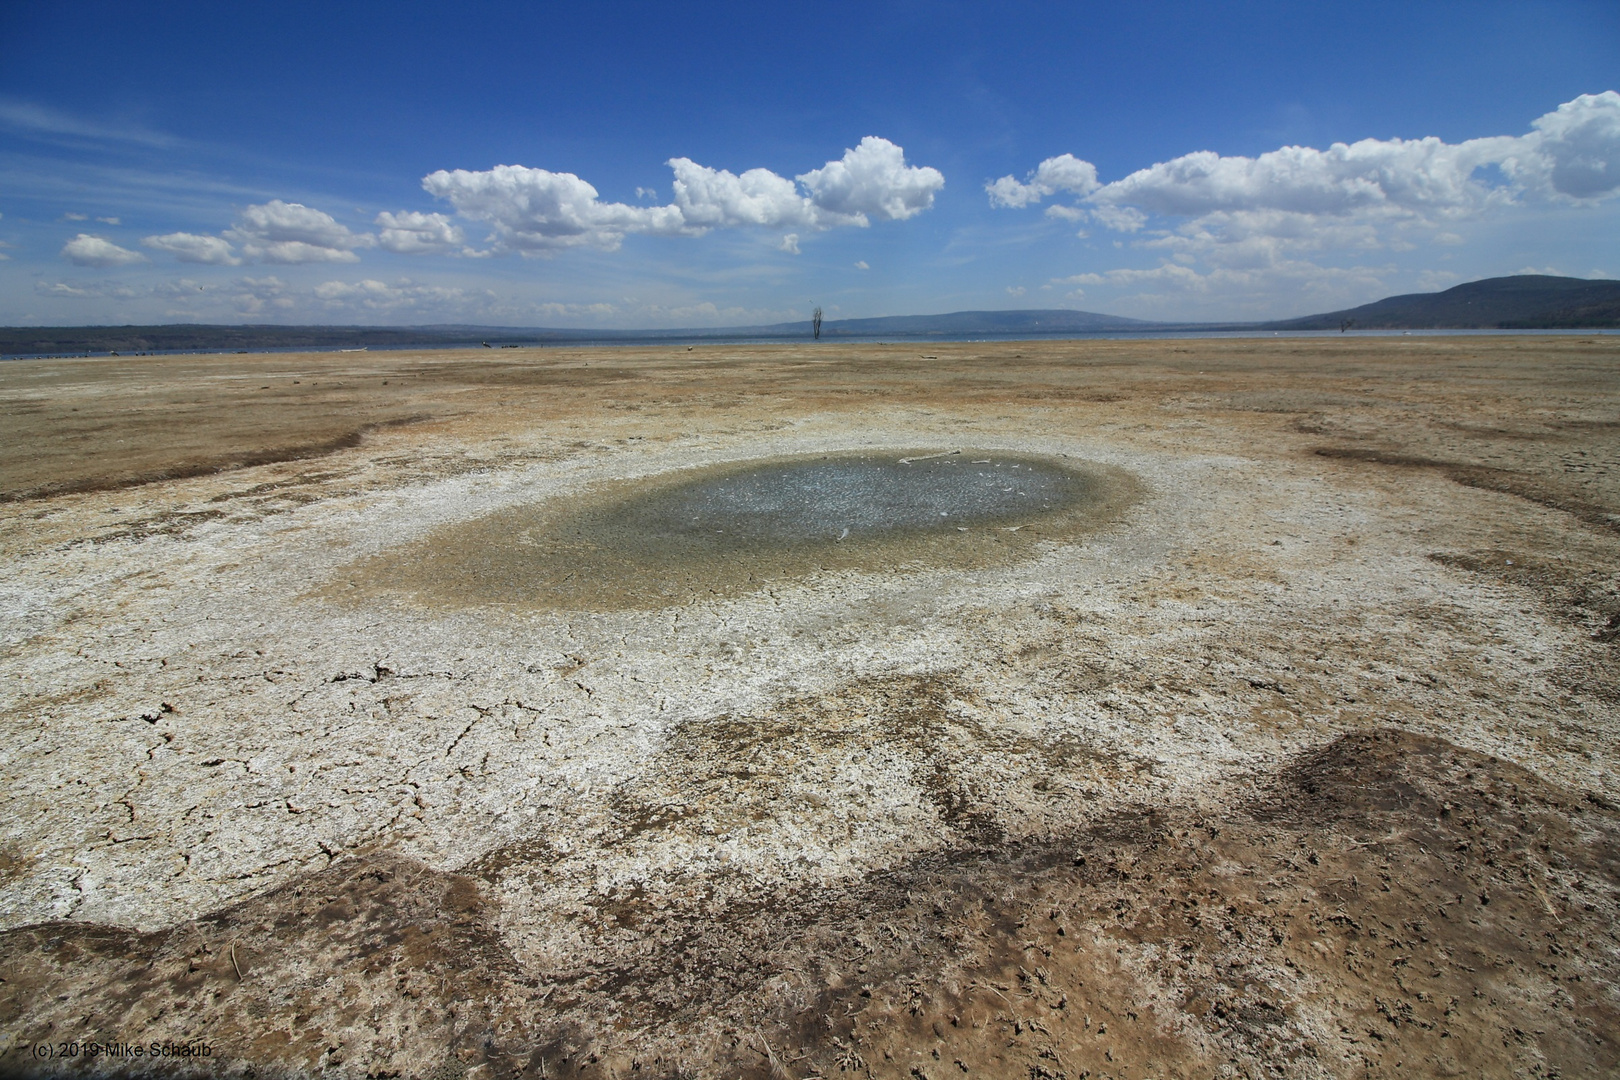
[15, 340]
[1520, 302]
[1047, 321]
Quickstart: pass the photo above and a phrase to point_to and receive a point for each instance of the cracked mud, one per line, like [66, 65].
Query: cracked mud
[1271, 733]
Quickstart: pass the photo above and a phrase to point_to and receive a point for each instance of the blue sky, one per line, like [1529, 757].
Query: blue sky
[681, 165]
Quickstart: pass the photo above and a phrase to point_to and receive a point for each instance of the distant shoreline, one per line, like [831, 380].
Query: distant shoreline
[827, 340]
[1524, 303]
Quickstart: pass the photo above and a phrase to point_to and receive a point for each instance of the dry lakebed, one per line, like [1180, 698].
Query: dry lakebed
[1159, 708]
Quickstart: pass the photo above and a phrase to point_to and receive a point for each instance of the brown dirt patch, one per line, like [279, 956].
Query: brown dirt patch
[1382, 906]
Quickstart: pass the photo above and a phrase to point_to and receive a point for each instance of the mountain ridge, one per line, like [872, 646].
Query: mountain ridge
[1515, 302]
[1012, 320]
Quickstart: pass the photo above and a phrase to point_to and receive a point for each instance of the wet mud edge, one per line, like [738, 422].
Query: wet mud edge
[573, 552]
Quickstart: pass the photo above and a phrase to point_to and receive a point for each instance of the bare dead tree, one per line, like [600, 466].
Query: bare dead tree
[815, 324]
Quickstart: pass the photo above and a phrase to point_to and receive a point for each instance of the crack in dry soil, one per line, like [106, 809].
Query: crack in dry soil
[1386, 904]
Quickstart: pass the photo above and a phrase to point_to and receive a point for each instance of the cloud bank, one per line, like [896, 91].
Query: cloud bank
[1257, 222]
[281, 232]
[539, 210]
[87, 250]
[1571, 155]
[413, 233]
[536, 210]
[370, 299]
[191, 248]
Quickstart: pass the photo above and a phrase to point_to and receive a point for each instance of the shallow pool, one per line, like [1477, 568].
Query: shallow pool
[737, 527]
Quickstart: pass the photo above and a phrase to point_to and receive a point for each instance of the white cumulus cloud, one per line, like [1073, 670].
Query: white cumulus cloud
[1066, 213]
[412, 233]
[1423, 176]
[87, 250]
[535, 210]
[714, 198]
[1571, 155]
[283, 232]
[1062, 173]
[872, 181]
[1574, 150]
[192, 248]
[1118, 218]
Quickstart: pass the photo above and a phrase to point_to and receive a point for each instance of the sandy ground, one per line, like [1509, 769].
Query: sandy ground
[1300, 761]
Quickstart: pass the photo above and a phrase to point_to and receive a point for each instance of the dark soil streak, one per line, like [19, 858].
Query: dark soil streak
[223, 463]
[1384, 905]
[1486, 478]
